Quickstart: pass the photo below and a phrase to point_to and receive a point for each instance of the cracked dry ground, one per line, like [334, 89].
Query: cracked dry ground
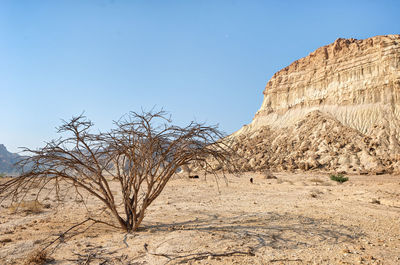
[294, 219]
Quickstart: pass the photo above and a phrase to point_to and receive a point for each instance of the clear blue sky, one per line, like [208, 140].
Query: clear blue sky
[201, 60]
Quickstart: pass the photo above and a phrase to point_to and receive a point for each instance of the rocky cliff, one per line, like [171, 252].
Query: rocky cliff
[337, 109]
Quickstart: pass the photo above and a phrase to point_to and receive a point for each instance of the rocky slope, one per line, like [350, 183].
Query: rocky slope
[337, 109]
[7, 160]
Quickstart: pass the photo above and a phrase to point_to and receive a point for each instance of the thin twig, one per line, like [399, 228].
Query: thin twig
[62, 235]
[279, 260]
[200, 256]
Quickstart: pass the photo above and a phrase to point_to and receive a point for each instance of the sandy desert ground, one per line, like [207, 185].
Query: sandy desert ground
[295, 219]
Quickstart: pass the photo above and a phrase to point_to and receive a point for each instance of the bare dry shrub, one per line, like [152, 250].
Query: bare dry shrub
[37, 257]
[141, 154]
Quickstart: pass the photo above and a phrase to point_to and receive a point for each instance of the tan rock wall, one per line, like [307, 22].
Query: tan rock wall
[357, 81]
[355, 84]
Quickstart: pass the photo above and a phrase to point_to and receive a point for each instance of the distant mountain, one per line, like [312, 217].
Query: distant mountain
[7, 161]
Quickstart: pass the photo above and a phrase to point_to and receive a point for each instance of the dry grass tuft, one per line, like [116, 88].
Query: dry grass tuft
[317, 180]
[37, 257]
[314, 193]
[268, 175]
[27, 206]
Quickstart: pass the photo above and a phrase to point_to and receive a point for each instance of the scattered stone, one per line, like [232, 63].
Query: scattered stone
[375, 201]
[359, 259]
[346, 250]
[370, 257]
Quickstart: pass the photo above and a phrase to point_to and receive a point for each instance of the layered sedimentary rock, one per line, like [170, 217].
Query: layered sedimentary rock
[337, 109]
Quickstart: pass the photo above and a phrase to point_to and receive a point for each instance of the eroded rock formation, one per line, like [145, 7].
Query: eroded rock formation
[337, 109]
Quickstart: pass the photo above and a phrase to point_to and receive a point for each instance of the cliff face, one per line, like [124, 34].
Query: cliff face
[353, 83]
[357, 81]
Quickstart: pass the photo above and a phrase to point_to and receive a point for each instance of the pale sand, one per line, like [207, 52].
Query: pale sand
[296, 219]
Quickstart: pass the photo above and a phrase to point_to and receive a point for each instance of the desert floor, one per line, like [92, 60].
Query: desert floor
[294, 219]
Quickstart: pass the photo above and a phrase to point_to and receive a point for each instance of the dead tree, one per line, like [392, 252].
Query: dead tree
[141, 154]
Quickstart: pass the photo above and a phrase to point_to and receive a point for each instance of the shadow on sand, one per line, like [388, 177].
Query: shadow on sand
[249, 233]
